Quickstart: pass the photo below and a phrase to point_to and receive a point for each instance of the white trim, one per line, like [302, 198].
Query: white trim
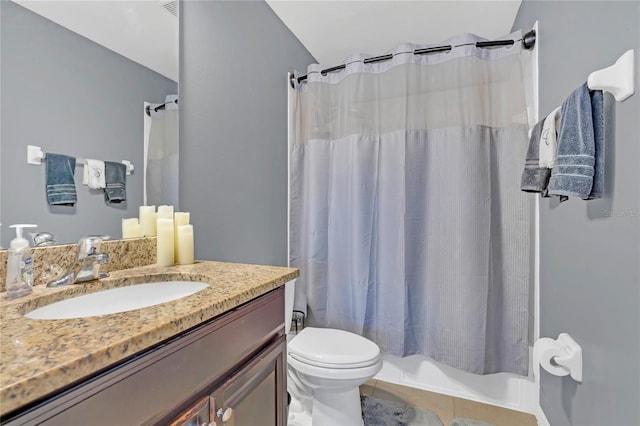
[145, 144]
[535, 62]
[541, 418]
[289, 88]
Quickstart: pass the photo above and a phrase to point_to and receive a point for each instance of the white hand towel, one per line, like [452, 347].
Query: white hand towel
[549, 139]
[93, 174]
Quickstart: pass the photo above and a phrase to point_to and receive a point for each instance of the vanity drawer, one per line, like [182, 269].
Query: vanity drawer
[166, 377]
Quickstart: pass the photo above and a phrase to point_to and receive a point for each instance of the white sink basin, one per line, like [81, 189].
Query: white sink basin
[121, 299]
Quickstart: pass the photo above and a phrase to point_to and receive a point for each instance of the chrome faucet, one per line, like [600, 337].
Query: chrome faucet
[87, 265]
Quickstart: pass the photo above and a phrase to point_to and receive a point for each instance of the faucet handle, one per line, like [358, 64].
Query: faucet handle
[90, 245]
[41, 239]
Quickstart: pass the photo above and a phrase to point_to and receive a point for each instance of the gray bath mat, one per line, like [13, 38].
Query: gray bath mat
[379, 412]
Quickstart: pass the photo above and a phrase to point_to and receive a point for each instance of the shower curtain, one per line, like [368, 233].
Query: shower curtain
[406, 217]
[161, 154]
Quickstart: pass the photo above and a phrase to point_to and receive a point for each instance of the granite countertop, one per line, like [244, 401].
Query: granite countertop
[37, 357]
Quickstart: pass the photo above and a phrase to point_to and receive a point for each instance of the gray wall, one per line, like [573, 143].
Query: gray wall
[234, 57]
[590, 251]
[68, 95]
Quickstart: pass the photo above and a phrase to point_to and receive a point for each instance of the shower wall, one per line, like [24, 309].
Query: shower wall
[590, 251]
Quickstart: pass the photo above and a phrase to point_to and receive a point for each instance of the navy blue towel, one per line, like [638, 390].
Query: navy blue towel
[61, 186]
[115, 176]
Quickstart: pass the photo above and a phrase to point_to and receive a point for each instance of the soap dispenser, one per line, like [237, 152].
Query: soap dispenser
[19, 280]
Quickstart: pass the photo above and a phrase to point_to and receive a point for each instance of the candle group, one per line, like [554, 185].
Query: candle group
[174, 233]
[175, 237]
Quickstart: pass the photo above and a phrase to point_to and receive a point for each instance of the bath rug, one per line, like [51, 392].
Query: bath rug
[379, 412]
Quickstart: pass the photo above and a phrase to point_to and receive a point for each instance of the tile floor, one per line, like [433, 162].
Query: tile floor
[447, 407]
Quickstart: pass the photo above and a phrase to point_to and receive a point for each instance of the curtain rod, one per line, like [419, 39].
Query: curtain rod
[528, 41]
[159, 107]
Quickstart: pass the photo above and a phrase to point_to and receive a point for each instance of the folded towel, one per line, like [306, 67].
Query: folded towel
[61, 186]
[534, 177]
[599, 130]
[93, 174]
[573, 172]
[548, 140]
[115, 177]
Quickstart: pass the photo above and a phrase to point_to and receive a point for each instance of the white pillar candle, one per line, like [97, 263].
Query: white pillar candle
[130, 228]
[148, 221]
[185, 244]
[165, 212]
[165, 242]
[179, 219]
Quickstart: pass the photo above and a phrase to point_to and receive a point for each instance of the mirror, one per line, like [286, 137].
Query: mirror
[75, 79]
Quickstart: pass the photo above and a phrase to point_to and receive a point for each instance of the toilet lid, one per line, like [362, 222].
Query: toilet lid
[326, 347]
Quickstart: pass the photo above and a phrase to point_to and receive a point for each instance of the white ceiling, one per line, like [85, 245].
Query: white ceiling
[141, 30]
[332, 30]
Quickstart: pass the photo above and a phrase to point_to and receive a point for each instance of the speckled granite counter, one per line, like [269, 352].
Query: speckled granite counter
[124, 254]
[38, 357]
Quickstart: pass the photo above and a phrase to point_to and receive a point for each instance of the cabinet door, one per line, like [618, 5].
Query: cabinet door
[256, 394]
[196, 415]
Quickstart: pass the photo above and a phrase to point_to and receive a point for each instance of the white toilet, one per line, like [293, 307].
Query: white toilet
[325, 369]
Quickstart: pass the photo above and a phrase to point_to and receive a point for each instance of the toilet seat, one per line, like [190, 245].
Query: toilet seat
[335, 374]
[335, 349]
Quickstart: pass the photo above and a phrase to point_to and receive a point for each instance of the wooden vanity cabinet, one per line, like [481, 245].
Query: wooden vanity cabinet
[253, 396]
[256, 395]
[228, 371]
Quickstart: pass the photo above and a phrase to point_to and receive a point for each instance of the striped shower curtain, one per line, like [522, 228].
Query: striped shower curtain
[407, 221]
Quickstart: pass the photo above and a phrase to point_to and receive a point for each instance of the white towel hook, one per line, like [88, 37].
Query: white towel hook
[616, 79]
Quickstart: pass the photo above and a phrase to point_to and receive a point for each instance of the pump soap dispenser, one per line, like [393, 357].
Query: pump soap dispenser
[19, 268]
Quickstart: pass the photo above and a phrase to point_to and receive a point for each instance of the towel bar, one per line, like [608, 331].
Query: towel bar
[35, 155]
[616, 79]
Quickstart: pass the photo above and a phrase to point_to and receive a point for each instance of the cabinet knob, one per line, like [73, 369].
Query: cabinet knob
[225, 415]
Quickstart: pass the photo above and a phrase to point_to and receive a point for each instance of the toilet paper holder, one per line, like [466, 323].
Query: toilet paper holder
[572, 361]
